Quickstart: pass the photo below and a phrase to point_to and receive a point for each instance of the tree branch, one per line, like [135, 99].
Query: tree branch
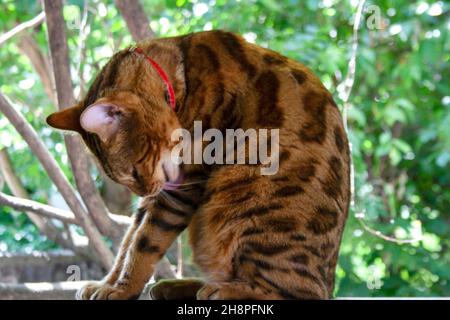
[40, 290]
[117, 196]
[179, 257]
[64, 290]
[38, 259]
[82, 36]
[45, 210]
[135, 18]
[14, 184]
[28, 46]
[348, 86]
[383, 236]
[28, 24]
[55, 173]
[163, 268]
[37, 208]
[78, 158]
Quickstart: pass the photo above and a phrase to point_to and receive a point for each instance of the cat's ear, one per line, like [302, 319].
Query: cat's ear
[102, 119]
[67, 119]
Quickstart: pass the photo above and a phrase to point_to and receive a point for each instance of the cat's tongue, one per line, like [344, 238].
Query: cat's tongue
[173, 185]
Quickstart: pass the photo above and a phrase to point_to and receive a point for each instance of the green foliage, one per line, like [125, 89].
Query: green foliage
[18, 234]
[399, 116]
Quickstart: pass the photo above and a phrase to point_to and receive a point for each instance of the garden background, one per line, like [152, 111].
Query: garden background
[390, 76]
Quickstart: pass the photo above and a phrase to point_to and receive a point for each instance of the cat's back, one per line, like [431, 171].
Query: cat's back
[274, 90]
[243, 85]
[302, 208]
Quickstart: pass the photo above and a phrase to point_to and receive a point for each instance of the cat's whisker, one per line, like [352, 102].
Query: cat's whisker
[186, 184]
[183, 188]
[173, 201]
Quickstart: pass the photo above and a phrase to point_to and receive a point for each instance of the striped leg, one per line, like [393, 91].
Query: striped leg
[154, 235]
[90, 288]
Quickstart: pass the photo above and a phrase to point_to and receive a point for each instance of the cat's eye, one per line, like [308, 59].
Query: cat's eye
[138, 179]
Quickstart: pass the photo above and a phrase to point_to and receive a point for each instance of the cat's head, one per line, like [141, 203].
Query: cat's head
[126, 122]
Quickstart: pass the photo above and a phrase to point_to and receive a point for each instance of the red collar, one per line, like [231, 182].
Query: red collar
[162, 74]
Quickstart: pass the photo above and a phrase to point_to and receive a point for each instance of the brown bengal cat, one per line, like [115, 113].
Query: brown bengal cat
[254, 236]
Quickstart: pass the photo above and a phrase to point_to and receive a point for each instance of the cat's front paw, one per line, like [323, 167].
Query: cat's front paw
[85, 292]
[104, 291]
[109, 292]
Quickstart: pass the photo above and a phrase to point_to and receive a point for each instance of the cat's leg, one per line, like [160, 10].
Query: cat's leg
[176, 289]
[235, 290]
[89, 289]
[158, 229]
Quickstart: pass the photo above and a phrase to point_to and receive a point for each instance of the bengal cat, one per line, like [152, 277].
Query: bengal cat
[254, 236]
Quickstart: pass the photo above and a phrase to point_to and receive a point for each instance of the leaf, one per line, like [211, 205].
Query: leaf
[401, 145]
[393, 114]
[443, 159]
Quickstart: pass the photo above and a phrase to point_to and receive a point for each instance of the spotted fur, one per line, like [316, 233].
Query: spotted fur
[254, 236]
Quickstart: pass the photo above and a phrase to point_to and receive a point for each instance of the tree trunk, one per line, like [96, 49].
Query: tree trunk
[55, 173]
[40, 62]
[135, 18]
[64, 92]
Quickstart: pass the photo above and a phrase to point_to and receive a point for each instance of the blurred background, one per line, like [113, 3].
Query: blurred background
[397, 238]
